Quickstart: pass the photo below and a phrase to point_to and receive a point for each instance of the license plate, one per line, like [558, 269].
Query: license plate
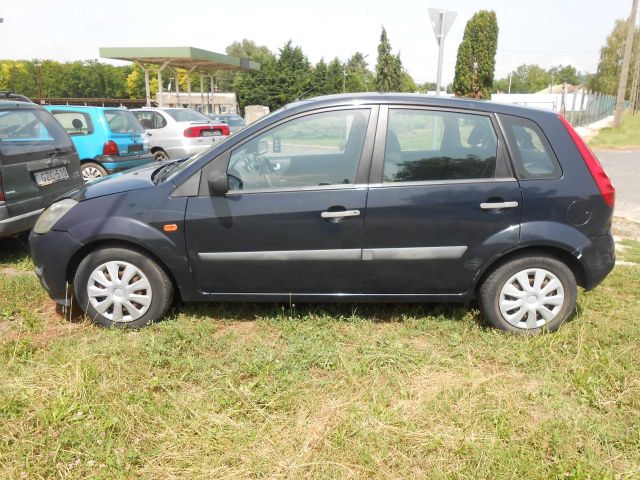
[135, 148]
[47, 177]
[210, 133]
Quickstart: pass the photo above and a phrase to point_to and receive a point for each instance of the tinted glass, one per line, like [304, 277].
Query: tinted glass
[186, 115]
[319, 149]
[30, 130]
[533, 157]
[123, 121]
[425, 145]
[75, 123]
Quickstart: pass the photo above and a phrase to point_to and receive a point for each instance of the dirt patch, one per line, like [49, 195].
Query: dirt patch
[245, 329]
[626, 228]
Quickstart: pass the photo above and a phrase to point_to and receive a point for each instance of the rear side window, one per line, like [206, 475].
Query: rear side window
[531, 153]
[427, 145]
[123, 121]
[75, 123]
[30, 130]
[150, 120]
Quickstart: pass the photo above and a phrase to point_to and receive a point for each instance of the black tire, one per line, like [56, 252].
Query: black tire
[91, 171]
[161, 289]
[491, 290]
[160, 156]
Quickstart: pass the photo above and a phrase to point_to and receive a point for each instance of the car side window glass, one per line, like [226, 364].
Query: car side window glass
[158, 120]
[531, 152]
[317, 149]
[428, 145]
[75, 123]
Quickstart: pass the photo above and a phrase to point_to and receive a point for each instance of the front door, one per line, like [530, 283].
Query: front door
[292, 222]
[443, 200]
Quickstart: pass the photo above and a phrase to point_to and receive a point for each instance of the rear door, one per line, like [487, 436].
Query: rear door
[38, 162]
[294, 217]
[442, 201]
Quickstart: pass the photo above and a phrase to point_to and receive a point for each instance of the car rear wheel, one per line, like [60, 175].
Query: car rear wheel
[92, 171]
[122, 288]
[529, 294]
[160, 156]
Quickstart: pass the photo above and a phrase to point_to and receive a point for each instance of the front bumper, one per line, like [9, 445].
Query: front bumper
[18, 223]
[52, 253]
[117, 164]
[598, 259]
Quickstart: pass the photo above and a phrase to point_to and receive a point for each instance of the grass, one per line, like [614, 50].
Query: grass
[319, 391]
[627, 136]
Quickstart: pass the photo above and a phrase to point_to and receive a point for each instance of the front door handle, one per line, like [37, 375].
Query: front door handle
[340, 214]
[498, 205]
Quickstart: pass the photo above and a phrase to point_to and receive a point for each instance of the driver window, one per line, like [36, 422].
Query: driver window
[318, 149]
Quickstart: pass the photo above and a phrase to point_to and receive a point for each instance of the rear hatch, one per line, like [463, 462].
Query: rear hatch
[126, 132]
[38, 162]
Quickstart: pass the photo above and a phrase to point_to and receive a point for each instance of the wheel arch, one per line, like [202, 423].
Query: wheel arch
[85, 250]
[554, 251]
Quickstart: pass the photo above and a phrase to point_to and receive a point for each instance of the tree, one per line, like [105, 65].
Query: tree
[359, 78]
[389, 75]
[607, 75]
[476, 62]
[564, 74]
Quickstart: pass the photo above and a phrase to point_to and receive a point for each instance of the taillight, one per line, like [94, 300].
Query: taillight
[207, 131]
[1, 190]
[595, 168]
[110, 148]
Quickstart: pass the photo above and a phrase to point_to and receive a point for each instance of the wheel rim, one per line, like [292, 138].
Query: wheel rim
[119, 291]
[531, 298]
[90, 173]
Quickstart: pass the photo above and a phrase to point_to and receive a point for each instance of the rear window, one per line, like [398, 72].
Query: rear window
[123, 121]
[532, 155]
[186, 115]
[30, 130]
[75, 123]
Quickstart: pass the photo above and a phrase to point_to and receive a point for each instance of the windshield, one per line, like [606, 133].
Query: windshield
[123, 121]
[187, 115]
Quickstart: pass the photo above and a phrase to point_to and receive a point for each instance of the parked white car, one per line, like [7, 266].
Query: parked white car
[179, 132]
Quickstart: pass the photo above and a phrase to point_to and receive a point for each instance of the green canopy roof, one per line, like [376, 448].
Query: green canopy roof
[180, 57]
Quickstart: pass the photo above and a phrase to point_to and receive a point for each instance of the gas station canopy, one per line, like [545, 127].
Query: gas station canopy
[188, 58]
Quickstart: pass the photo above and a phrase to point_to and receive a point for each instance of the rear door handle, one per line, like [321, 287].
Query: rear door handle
[340, 214]
[498, 205]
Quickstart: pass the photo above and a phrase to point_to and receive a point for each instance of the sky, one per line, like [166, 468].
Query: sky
[545, 32]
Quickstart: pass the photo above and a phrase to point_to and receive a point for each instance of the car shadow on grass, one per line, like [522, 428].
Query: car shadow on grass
[14, 253]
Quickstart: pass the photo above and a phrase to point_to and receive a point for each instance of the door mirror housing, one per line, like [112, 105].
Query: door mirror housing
[218, 183]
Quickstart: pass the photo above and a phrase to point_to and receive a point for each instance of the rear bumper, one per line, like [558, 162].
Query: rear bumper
[52, 253]
[598, 258]
[117, 164]
[18, 223]
[193, 146]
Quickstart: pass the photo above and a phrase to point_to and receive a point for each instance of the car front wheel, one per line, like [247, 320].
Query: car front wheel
[122, 288]
[529, 294]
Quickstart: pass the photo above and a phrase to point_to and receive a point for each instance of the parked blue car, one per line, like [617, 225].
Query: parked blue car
[108, 140]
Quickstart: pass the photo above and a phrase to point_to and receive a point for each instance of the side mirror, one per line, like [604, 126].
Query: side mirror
[218, 183]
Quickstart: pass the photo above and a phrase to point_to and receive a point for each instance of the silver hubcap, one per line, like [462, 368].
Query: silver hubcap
[119, 291]
[531, 298]
[90, 173]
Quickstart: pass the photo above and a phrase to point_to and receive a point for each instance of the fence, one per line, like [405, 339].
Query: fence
[581, 107]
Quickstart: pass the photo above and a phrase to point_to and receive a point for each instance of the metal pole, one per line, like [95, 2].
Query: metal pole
[160, 96]
[624, 73]
[201, 92]
[582, 95]
[213, 105]
[175, 70]
[188, 74]
[573, 106]
[440, 52]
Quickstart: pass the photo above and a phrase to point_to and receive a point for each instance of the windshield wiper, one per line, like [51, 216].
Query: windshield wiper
[165, 171]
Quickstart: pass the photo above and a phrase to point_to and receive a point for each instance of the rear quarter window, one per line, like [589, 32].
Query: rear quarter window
[30, 130]
[531, 152]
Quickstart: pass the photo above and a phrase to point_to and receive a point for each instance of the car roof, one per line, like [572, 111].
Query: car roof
[18, 104]
[346, 99]
[82, 107]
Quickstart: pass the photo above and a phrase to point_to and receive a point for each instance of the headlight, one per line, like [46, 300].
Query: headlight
[51, 215]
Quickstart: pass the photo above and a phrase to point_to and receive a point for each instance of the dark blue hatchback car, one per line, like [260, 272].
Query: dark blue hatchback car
[369, 197]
